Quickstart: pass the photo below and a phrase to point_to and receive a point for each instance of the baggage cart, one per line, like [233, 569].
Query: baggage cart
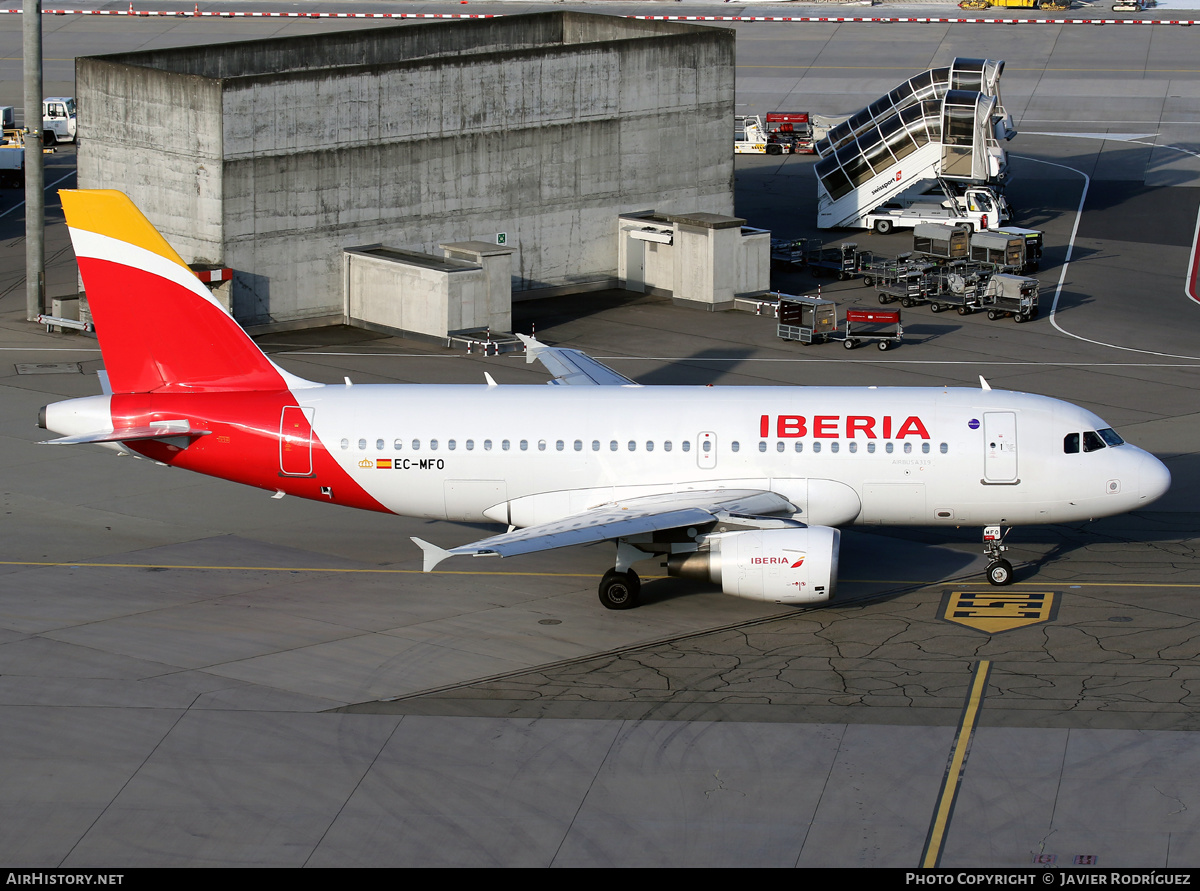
[1003, 250]
[807, 319]
[838, 259]
[880, 325]
[906, 284]
[875, 267]
[942, 242]
[789, 252]
[1011, 295]
[960, 286]
[1034, 239]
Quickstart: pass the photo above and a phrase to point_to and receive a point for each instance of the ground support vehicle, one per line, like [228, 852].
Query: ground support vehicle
[1005, 252]
[751, 138]
[1011, 295]
[839, 259]
[878, 269]
[1017, 4]
[794, 128]
[960, 286]
[58, 120]
[940, 242]
[12, 166]
[807, 319]
[12, 159]
[786, 251]
[880, 325]
[978, 208]
[1034, 239]
[907, 284]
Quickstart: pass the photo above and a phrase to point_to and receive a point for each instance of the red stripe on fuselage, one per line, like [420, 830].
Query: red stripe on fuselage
[243, 446]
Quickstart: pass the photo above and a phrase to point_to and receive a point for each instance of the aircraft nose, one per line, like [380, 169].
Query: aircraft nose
[1153, 479]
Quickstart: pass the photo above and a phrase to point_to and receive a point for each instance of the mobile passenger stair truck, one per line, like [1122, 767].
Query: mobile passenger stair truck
[942, 129]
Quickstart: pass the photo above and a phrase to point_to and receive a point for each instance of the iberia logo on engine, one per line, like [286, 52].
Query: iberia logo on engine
[760, 561]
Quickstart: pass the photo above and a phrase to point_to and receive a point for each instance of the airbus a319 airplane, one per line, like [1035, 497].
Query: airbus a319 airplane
[741, 486]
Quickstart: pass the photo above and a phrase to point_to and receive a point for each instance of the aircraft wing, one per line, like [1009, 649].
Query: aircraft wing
[572, 367]
[618, 519]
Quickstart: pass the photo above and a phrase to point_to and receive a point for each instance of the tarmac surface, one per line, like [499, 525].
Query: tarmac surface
[193, 673]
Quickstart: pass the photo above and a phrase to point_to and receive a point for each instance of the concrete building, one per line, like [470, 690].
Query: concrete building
[536, 131]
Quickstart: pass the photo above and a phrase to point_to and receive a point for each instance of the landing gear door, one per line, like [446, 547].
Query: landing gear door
[295, 441]
[1000, 447]
[706, 450]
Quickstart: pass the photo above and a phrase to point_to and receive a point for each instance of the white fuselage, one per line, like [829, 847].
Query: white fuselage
[527, 454]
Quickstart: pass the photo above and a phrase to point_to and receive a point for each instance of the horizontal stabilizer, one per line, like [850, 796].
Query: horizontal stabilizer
[168, 430]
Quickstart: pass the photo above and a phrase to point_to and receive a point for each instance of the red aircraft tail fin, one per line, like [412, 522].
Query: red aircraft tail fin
[160, 330]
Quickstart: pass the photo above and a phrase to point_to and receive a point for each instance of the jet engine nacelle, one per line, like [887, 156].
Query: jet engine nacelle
[779, 565]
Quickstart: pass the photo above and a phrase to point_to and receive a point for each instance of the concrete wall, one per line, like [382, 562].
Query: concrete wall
[157, 136]
[541, 126]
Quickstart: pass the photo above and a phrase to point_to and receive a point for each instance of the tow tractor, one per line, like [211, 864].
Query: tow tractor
[752, 138]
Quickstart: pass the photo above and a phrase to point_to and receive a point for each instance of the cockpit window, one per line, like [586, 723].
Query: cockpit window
[1071, 443]
[1092, 441]
[1110, 436]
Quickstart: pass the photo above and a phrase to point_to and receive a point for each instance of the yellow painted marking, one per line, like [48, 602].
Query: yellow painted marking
[296, 569]
[109, 212]
[76, 564]
[958, 758]
[994, 612]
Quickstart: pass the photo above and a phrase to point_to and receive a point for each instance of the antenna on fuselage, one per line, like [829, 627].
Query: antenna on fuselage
[984, 385]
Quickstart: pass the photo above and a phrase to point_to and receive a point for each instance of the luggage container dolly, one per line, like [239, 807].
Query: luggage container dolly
[880, 325]
[806, 319]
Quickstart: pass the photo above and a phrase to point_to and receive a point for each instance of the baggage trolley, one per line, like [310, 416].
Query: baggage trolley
[840, 260]
[905, 283]
[880, 325]
[960, 286]
[789, 252]
[1011, 295]
[806, 319]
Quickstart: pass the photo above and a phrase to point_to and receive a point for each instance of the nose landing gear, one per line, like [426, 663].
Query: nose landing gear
[999, 571]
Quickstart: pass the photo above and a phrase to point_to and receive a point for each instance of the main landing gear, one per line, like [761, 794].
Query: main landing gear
[999, 571]
[620, 590]
[620, 587]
